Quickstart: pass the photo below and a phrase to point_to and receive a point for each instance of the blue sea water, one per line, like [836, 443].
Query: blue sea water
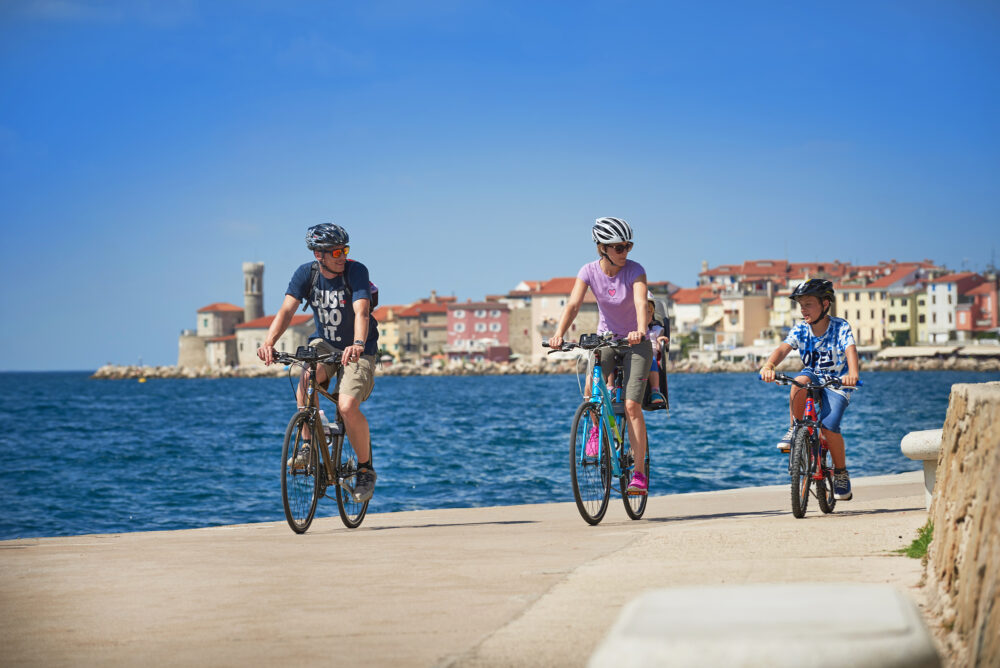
[87, 456]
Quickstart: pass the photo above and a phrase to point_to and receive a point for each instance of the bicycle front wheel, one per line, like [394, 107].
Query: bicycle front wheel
[346, 462]
[800, 471]
[824, 488]
[635, 504]
[591, 474]
[299, 481]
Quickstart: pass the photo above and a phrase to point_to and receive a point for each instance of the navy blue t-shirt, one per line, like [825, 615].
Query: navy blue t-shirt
[334, 319]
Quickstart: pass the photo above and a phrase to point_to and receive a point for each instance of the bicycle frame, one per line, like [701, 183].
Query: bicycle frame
[609, 423]
[810, 421]
[316, 426]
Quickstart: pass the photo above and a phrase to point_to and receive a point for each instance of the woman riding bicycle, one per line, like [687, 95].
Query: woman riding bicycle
[619, 286]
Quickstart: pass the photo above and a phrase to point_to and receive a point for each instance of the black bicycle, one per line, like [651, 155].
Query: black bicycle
[307, 473]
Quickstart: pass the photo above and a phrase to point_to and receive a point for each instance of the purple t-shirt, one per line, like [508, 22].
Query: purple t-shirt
[614, 295]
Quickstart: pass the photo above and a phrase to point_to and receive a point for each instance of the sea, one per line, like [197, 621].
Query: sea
[80, 456]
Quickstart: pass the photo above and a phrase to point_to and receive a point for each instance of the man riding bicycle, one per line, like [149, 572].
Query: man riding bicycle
[339, 325]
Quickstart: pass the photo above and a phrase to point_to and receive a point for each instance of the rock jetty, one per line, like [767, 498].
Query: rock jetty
[116, 372]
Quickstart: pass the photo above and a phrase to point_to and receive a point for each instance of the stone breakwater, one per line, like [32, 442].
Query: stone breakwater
[117, 372]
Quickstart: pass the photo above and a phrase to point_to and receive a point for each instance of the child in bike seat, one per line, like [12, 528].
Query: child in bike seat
[655, 334]
[826, 346]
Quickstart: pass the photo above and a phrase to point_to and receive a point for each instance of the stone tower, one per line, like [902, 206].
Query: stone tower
[253, 291]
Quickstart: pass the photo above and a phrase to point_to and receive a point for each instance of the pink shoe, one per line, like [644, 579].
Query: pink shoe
[639, 484]
[592, 447]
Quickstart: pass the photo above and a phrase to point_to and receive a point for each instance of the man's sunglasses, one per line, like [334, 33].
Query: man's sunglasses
[621, 248]
[337, 252]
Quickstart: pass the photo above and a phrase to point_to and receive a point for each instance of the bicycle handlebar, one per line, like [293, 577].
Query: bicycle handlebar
[305, 354]
[784, 379]
[590, 344]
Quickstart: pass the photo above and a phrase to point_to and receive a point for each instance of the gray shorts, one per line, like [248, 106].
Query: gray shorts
[637, 359]
[357, 379]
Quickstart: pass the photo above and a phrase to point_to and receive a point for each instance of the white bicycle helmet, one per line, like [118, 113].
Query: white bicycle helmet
[611, 231]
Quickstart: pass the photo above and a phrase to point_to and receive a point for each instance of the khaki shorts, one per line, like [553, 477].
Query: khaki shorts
[357, 379]
[638, 359]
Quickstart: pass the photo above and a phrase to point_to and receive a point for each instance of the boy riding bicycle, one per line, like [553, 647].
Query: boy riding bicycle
[826, 346]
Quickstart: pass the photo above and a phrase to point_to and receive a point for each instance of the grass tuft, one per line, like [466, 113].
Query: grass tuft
[918, 548]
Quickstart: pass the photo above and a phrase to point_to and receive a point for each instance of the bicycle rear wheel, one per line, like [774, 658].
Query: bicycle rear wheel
[299, 485]
[824, 488]
[799, 470]
[346, 462]
[635, 504]
[591, 475]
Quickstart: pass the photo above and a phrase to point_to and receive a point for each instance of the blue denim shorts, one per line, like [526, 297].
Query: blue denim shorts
[833, 405]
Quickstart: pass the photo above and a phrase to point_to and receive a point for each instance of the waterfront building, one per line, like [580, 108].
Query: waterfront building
[389, 340]
[902, 323]
[977, 311]
[547, 303]
[478, 331]
[423, 327]
[942, 301]
[689, 307]
[783, 315]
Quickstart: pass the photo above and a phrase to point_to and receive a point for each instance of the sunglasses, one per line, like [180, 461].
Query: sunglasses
[338, 252]
[621, 248]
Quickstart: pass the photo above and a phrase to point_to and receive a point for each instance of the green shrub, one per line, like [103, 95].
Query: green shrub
[918, 548]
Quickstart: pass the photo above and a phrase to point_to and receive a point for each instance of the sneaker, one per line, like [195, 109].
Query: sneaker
[638, 484]
[301, 458]
[364, 487]
[842, 485]
[785, 444]
[592, 439]
[656, 397]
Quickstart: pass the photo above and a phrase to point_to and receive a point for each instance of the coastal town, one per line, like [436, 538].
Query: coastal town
[735, 312]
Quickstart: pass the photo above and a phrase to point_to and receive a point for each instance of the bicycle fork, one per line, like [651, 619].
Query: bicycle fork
[816, 431]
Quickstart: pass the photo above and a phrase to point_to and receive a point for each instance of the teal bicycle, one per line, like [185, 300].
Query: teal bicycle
[594, 472]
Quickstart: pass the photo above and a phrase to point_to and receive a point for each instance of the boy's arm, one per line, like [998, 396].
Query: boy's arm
[776, 358]
[853, 367]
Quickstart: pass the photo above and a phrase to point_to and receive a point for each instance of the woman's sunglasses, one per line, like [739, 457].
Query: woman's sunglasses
[338, 252]
[621, 248]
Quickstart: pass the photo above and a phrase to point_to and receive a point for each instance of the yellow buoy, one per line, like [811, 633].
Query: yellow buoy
[142, 380]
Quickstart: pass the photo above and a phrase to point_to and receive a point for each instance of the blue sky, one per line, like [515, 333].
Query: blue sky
[147, 149]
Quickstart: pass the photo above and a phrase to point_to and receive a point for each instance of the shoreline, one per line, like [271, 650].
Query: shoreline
[545, 367]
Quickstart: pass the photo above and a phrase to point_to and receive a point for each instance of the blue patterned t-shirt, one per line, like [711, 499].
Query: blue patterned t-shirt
[824, 355]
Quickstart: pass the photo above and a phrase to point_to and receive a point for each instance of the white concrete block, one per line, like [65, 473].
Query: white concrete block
[924, 445]
[811, 625]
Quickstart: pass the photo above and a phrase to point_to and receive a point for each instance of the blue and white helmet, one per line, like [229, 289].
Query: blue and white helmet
[611, 231]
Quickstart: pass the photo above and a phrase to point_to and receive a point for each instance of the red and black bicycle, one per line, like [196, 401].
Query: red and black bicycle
[808, 460]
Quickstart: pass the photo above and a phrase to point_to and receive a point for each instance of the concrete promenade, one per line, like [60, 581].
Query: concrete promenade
[507, 586]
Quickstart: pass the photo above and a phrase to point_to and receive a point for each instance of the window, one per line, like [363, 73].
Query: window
[902, 318]
[494, 326]
[933, 299]
[480, 326]
[892, 318]
[425, 347]
[480, 313]
[495, 313]
[857, 314]
[204, 322]
[459, 313]
[902, 302]
[922, 319]
[892, 302]
[459, 326]
[934, 317]
[949, 317]
[872, 316]
[425, 335]
[871, 296]
[949, 299]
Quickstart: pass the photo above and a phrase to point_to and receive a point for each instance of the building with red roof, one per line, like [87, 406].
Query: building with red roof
[977, 310]
[478, 331]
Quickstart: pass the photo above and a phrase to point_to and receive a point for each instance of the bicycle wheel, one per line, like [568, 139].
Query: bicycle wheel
[824, 489]
[591, 475]
[799, 469]
[299, 486]
[635, 504]
[351, 511]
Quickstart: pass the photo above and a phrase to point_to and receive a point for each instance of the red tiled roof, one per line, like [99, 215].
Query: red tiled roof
[723, 270]
[899, 274]
[231, 337]
[692, 295]
[220, 306]
[986, 288]
[558, 286]
[265, 322]
[954, 278]
[383, 311]
[764, 267]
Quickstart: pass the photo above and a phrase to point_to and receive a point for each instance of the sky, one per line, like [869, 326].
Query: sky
[148, 149]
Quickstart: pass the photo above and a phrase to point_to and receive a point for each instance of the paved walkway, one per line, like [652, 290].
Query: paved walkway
[508, 586]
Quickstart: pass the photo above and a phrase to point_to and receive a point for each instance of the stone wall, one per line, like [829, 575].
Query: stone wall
[963, 566]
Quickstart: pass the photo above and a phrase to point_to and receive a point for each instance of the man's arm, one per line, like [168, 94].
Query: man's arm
[354, 351]
[277, 328]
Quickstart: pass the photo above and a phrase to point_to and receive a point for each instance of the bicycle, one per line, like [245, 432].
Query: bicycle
[593, 474]
[302, 486]
[807, 458]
